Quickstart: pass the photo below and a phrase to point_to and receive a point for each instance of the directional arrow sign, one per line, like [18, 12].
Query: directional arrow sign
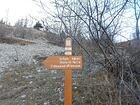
[63, 62]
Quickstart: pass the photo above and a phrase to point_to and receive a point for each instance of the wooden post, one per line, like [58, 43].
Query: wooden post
[68, 75]
[66, 63]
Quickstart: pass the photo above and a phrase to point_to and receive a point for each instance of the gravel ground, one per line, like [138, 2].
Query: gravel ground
[13, 54]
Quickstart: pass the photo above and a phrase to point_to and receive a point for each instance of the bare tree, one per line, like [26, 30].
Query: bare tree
[137, 17]
[101, 21]
[135, 6]
[98, 22]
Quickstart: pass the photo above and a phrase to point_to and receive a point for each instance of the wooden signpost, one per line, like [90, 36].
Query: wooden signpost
[66, 63]
[63, 62]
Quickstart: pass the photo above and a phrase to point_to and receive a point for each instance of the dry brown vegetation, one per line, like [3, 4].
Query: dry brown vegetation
[116, 83]
[25, 86]
[12, 40]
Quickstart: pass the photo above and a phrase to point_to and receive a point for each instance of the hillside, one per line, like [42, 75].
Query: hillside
[20, 59]
[23, 80]
[16, 54]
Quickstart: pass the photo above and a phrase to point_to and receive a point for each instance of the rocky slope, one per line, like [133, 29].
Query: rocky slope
[14, 54]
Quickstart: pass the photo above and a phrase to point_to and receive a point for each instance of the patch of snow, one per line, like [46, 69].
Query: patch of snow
[1, 86]
[30, 82]
[75, 87]
[23, 96]
[47, 103]
[34, 90]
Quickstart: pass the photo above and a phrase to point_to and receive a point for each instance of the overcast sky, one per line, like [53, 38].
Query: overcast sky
[12, 10]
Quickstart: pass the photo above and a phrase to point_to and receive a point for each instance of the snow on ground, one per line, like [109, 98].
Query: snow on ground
[13, 54]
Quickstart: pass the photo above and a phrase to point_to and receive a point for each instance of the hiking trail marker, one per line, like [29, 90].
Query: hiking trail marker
[63, 62]
[66, 63]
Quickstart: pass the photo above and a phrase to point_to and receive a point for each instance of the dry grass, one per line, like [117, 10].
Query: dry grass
[11, 40]
[25, 86]
[102, 89]
[97, 90]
